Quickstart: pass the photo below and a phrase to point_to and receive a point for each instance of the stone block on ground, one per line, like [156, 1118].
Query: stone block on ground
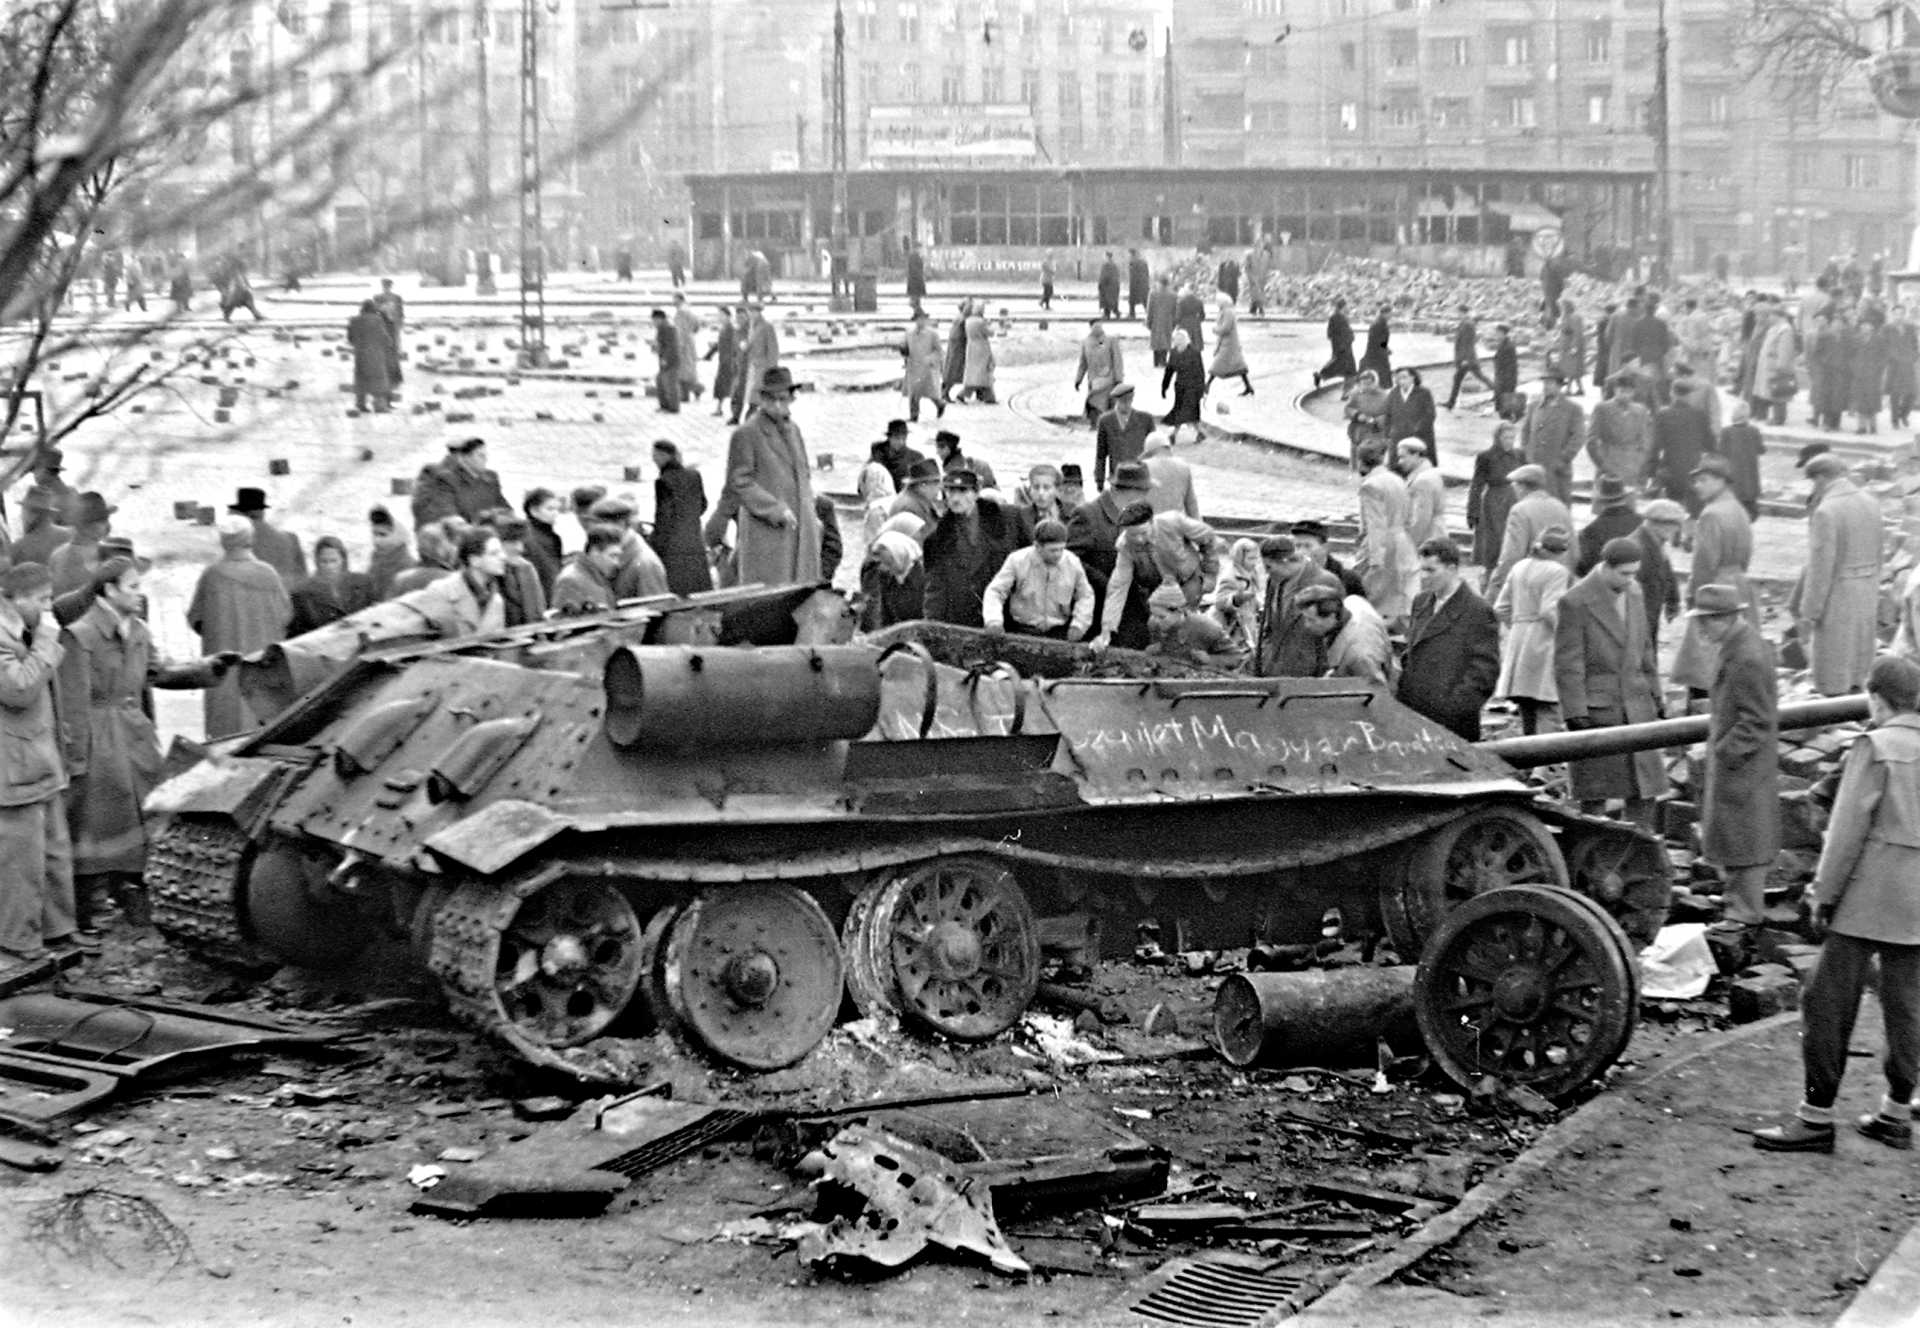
[1801, 823]
[1677, 818]
[1770, 944]
[1770, 989]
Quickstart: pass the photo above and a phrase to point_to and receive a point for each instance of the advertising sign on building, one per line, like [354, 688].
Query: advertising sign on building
[940, 135]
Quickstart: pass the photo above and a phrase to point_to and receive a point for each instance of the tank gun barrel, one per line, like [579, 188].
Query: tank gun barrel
[1615, 740]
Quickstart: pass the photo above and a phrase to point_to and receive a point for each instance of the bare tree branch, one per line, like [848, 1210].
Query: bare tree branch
[1807, 47]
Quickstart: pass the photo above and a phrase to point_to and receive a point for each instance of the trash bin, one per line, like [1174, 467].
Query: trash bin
[866, 293]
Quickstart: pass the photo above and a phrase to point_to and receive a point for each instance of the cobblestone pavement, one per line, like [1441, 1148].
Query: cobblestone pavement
[1268, 456]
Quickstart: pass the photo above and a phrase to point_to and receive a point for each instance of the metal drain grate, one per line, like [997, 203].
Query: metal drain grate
[714, 1126]
[1217, 1292]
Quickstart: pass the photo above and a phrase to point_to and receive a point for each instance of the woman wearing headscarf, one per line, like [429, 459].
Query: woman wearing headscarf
[1186, 373]
[893, 580]
[877, 491]
[1239, 593]
[1366, 413]
[1229, 361]
[332, 592]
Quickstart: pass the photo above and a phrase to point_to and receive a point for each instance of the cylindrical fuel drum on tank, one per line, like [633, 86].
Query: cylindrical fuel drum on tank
[681, 698]
[1320, 1017]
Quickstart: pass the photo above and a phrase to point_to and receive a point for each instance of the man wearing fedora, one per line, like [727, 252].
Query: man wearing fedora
[921, 495]
[1093, 532]
[71, 565]
[273, 546]
[461, 485]
[1614, 516]
[1606, 673]
[1740, 811]
[42, 509]
[777, 531]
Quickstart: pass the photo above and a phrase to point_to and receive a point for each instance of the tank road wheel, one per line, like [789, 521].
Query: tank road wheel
[753, 973]
[1627, 873]
[552, 969]
[1532, 986]
[953, 943]
[869, 968]
[1486, 849]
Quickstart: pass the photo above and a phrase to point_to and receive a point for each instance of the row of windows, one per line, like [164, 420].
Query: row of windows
[910, 21]
[440, 24]
[911, 84]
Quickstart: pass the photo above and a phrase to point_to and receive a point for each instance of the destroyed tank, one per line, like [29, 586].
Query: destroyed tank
[723, 817]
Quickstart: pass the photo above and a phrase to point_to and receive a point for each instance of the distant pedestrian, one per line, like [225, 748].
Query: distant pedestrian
[1837, 603]
[1535, 511]
[1119, 435]
[920, 374]
[1378, 357]
[373, 359]
[1046, 281]
[1742, 445]
[977, 384]
[1339, 346]
[676, 263]
[687, 325]
[277, 548]
[1386, 559]
[1426, 492]
[1108, 287]
[1139, 283]
[1552, 433]
[331, 593]
[1259, 268]
[916, 275]
[1490, 495]
[1226, 280]
[1570, 347]
[1101, 369]
[759, 353]
[1160, 306]
[1190, 312]
[1186, 374]
[1722, 553]
[726, 350]
[390, 306]
[1466, 356]
[1229, 361]
[666, 349]
[1866, 904]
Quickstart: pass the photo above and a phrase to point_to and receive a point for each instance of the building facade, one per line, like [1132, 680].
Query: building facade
[1770, 178]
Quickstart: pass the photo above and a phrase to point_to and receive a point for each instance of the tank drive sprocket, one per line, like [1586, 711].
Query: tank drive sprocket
[196, 873]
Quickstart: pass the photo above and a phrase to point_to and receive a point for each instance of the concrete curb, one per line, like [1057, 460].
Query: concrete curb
[1892, 1298]
[1346, 1295]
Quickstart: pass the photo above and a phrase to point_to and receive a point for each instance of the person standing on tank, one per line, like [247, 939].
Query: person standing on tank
[1866, 902]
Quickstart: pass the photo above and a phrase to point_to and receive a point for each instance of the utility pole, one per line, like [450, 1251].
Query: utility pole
[840, 299]
[533, 259]
[1169, 109]
[483, 283]
[1662, 154]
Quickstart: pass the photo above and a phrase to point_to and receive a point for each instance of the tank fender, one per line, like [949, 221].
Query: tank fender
[498, 835]
[237, 787]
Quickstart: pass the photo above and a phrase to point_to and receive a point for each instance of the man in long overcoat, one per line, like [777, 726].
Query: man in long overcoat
[1453, 645]
[239, 605]
[1339, 346]
[1839, 600]
[1551, 436]
[759, 352]
[1102, 369]
[461, 485]
[1606, 674]
[1740, 813]
[916, 275]
[1386, 559]
[1682, 434]
[679, 499]
[1490, 496]
[277, 548]
[1722, 552]
[1620, 434]
[1534, 512]
[920, 370]
[36, 858]
[374, 357]
[770, 476]
[1160, 306]
[1139, 283]
[112, 749]
[1109, 287]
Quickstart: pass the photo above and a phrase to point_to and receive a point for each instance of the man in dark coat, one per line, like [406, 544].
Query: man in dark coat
[1740, 812]
[1120, 435]
[964, 549]
[1682, 434]
[42, 509]
[896, 456]
[1286, 648]
[374, 357]
[1466, 356]
[1139, 283]
[36, 866]
[1093, 530]
[1613, 503]
[1190, 313]
[916, 275]
[1604, 668]
[461, 485]
[1339, 346]
[1109, 285]
[1551, 434]
[273, 546]
[679, 500]
[1453, 645]
[1377, 357]
[667, 351]
[1310, 537]
[1506, 370]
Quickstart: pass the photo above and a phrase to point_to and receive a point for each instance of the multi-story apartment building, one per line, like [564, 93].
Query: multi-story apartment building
[1766, 177]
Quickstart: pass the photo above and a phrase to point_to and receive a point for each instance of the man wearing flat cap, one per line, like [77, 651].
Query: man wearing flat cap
[770, 476]
[1535, 511]
[1606, 674]
[1740, 811]
[964, 550]
[1659, 527]
[42, 510]
[1838, 599]
[1722, 551]
[273, 546]
[1120, 435]
[460, 485]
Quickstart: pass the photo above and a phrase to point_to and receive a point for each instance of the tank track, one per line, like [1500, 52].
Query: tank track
[193, 877]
